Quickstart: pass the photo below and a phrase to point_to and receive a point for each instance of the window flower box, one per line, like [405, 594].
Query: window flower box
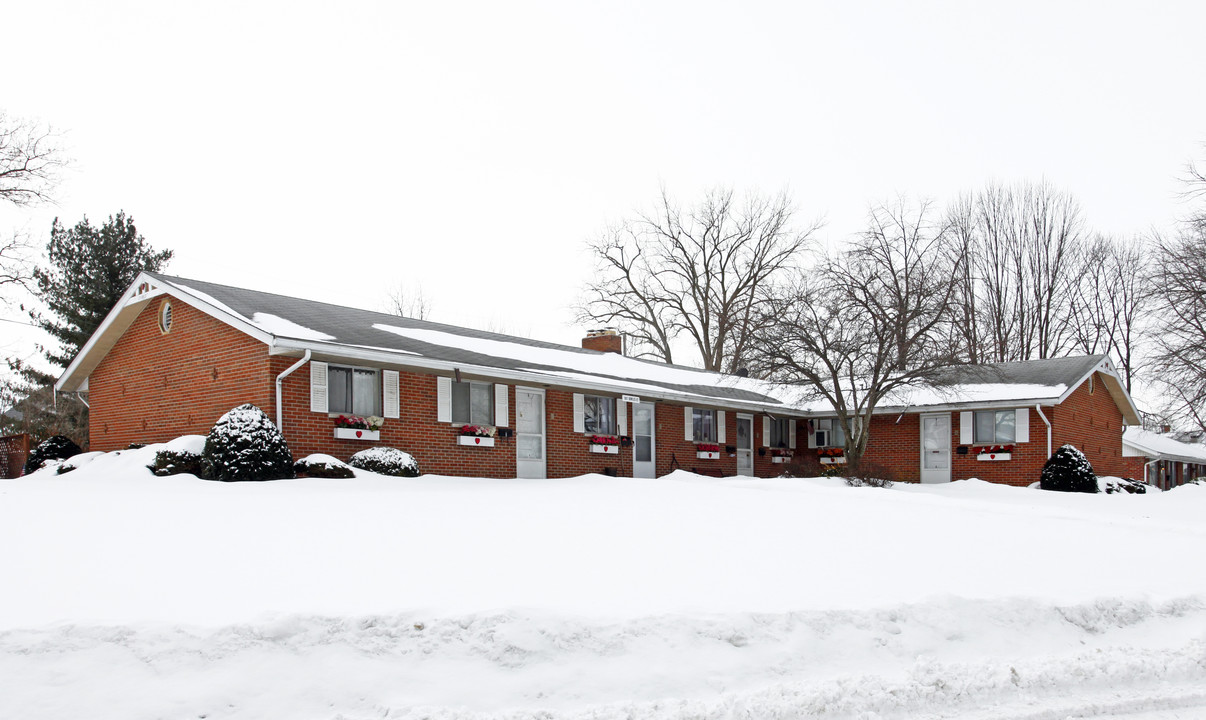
[354, 427]
[475, 440]
[993, 452]
[605, 444]
[707, 451]
[833, 460]
[477, 435]
[344, 433]
[780, 459]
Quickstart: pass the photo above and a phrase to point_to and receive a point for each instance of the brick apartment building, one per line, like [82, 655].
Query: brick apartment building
[176, 354]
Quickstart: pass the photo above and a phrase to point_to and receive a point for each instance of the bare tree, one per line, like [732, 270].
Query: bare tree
[1109, 302]
[1179, 282]
[698, 273]
[1024, 245]
[408, 301]
[875, 319]
[30, 160]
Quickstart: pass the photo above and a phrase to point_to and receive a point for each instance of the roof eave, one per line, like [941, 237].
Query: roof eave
[335, 351]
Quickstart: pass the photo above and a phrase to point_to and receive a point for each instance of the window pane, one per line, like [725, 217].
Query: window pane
[1005, 421]
[530, 447]
[598, 415]
[481, 401]
[339, 383]
[460, 402]
[986, 430]
[743, 434]
[364, 392]
[839, 435]
[709, 425]
[644, 448]
[642, 420]
[697, 425]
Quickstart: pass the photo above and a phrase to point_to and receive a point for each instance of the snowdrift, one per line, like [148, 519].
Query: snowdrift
[131, 596]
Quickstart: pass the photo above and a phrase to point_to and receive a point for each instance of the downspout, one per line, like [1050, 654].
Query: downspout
[80, 397]
[1149, 462]
[280, 379]
[1039, 410]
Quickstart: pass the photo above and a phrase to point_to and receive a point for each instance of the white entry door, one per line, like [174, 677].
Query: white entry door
[936, 448]
[644, 464]
[529, 433]
[745, 445]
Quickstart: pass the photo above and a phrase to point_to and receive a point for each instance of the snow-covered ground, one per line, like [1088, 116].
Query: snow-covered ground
[130, 596]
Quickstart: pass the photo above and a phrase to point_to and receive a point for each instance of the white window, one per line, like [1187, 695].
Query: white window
[995, 426]
[703, 425]
[473, 403]
[353, 391]
[599, 415]
[780, 432]
[828, 432]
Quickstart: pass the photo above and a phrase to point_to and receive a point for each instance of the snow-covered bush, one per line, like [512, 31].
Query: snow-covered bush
[172, 462]
[1068, 470]
[868, 482]
[59, 447]
[322, 466]
[245, 445]
[1107, 484]
[385, 461]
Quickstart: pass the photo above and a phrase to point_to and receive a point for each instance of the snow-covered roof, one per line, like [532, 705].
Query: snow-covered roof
[1137, 442]
[291, 326]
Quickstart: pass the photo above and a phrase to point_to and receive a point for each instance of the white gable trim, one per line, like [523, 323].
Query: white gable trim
[144, 289]
[1114, 386]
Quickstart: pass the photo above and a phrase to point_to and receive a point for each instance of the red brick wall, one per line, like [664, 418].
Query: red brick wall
[153, 387]
[1093, 423]
[1090, 421]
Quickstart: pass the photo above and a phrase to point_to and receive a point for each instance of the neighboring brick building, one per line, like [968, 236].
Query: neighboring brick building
[1166, 462]
[175, 354]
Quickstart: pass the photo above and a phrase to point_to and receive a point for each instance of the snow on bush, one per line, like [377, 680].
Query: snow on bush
[386, 461]
[173, 462]
[245, 445]
[1111, 485]
[76, 462]
[1068, 470]
[322, 466]
[59, 447]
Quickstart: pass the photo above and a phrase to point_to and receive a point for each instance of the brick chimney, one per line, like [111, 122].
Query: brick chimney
[605, 340]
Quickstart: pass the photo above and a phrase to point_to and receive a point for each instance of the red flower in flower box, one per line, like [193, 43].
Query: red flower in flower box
[707, 447]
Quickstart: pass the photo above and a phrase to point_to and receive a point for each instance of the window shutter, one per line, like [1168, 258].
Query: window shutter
[690, 425]
[766, 431]
[791, 433]
[622, 417]
[579, 414]
[720, 427]
[444, 399]
[502, 408]
[812, 433]
[389, 388]
[318, 387]
[967, 425]
[1021, 426]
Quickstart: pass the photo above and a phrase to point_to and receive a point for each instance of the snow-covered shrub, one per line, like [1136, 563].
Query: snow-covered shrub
[322, 466]
[1112, 485]
[1068, 470]
[59, 447]
[245, 445]
[385, 461]
[868, 482]
[172, 462]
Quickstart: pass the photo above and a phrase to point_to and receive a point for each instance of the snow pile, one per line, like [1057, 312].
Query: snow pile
[131, 596]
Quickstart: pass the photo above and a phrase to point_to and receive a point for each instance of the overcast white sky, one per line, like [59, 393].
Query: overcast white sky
[333, 150]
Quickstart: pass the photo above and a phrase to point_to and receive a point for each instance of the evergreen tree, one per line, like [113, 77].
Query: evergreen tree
[89, 270]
